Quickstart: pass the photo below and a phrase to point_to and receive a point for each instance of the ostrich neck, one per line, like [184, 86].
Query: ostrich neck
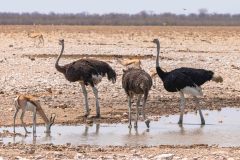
[160, 72]
[57, 66]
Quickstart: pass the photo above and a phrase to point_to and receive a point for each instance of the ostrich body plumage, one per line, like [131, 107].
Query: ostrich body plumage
[136, 82]
[180, 78]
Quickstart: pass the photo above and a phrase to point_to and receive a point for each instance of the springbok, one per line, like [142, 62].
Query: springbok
[30, 103]
[37, 37]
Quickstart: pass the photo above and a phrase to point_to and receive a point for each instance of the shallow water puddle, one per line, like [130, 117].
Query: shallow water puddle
[222, 128]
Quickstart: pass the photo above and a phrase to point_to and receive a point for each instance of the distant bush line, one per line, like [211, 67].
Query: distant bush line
[142, 18]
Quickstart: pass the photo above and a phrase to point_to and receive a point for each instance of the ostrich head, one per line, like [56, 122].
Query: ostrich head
[61, 41]
[155, 41]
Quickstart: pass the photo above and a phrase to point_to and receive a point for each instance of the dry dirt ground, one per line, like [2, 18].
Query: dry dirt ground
[27, 68]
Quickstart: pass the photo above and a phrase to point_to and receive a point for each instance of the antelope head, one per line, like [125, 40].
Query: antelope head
[51, 121]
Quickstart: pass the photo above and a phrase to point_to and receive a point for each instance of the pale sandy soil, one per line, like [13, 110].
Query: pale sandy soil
[26, 68]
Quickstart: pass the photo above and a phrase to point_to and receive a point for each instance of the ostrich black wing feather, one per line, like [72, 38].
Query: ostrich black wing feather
[175, 81]
[199, 76]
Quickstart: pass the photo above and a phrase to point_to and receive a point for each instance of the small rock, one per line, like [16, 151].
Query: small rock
[10, 45]
[32, 58]
[68, 144]
[30, 151]
[79, 156]
[63, 106]
[58, 154]
[39, 157]
[164, 157]
[177, 158]
[124, 120]
[125, 114]
[89, 121]
[20, 158]
[115, 95]
[49, 90]
[118, 116]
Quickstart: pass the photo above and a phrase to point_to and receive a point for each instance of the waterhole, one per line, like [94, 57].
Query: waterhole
[222, 128]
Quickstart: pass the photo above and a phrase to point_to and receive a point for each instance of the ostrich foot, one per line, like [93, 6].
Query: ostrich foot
[202, 122]
[135, 125]
[180, 122]
[87, 113]
[147, 122]
[26, 133]
[97, 116]
[129, 126]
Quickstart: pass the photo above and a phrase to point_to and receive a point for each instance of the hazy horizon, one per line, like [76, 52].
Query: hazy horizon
[123, 6]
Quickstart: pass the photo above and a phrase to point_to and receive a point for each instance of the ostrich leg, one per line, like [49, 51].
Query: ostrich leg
[137, 111]
[86, 99]
[34, 121]
[95, 91]
[129, 112]
[199, 109]
[182, 105]
[147, 121]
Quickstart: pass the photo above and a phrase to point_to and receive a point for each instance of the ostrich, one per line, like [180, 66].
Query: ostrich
[87, 72]
[136, 82]
[185, 81]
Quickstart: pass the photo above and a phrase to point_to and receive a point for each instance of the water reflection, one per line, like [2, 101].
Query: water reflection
[163, 132]
[86, 130]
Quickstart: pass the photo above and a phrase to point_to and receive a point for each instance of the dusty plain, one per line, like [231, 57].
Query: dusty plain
[27, 68]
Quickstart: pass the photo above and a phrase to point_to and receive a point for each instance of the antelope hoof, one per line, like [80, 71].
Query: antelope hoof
[147, 122]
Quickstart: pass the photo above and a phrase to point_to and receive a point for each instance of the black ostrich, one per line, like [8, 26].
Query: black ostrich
[185, 81]
[136, 82]
[87, 72]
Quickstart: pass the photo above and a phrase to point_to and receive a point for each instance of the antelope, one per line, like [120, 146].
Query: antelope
[37, 36]
[135, 62]
[153, 74]
[30, 103]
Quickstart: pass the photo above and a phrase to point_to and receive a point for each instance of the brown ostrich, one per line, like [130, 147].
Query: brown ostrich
[136, 82]
[86, 72]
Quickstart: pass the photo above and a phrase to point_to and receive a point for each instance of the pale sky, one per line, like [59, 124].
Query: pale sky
[120, 6]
